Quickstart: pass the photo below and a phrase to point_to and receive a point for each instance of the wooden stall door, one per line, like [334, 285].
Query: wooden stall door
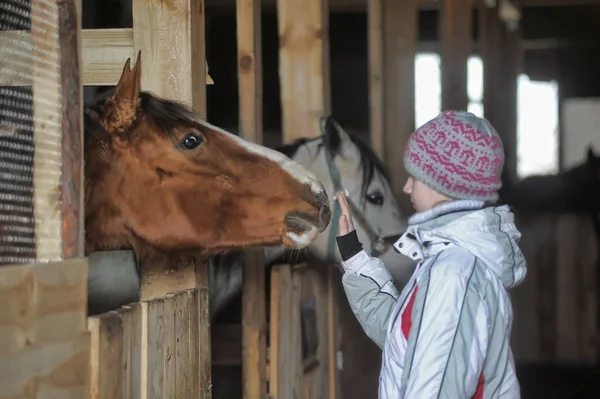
[299, 344]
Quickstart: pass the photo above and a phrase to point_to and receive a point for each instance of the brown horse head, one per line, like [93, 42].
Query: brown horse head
[161, 180]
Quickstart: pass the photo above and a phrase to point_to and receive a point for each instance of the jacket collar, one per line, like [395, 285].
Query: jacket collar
[414, 244]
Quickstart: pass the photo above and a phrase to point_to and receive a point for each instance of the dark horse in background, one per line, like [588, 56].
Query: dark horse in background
[576, 190]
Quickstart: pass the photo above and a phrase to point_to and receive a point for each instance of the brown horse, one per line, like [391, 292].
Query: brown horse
[164, 182]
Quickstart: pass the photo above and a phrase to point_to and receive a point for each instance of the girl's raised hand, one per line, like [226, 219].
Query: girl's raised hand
[345, 224]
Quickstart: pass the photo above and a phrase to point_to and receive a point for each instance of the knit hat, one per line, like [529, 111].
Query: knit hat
[457, 154]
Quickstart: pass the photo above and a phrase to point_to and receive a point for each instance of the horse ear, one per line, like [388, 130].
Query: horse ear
[122, 107]
[346, 147]
[590, 152]
[128, 88]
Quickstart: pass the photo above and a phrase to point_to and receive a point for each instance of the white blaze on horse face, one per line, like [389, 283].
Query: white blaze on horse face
[297, 171]
[305, 239]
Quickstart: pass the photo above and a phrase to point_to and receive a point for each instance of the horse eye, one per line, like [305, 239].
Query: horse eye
[375, 198]
[191, 141]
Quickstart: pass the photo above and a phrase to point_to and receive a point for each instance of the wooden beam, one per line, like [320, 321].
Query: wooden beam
[170, 35]
[103, 53]
[254, 346]
[501, 54]
[44, 343]
[376, 72]
[489, 51]
[73, 237]
[457, 44]
[400, 35]
[362, 5]
[47, 129]
[303, 66]
[171, 39]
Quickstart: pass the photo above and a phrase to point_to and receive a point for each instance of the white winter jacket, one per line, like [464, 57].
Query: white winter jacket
[447, 334]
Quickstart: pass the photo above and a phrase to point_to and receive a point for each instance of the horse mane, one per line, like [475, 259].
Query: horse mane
[369, 162]
[162, 112]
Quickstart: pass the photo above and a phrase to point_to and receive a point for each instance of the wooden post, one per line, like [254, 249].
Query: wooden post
[457, 44]
[69, 31]
[501, 56]
[376, 71]
[47, 130]
[305, 98]
[489, 50]
[303, 66]
[170, 35]
[254, 347]
[400, 36]
[511, 66]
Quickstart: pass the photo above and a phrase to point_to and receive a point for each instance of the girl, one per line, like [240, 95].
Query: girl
[446, 335]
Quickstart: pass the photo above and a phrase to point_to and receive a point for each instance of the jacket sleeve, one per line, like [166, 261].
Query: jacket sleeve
[371, 293]
[448, 337]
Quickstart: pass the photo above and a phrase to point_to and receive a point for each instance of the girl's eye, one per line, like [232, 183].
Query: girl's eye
[191, 141]
[375, 198]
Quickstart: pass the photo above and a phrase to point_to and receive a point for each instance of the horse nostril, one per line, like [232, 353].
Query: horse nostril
[324, 218]
[322, 198]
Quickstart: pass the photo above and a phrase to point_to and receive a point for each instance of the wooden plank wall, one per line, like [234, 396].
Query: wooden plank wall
[254, 317]
[151, 349]
[292, 373]
[400, 38]
[457, 45]
[44, 342]
[304, 74]
[556, 307]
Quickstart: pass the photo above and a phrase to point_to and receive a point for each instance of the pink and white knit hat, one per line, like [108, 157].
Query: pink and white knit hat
[457, 154]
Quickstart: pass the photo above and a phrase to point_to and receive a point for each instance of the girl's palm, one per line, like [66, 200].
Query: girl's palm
[345, 224]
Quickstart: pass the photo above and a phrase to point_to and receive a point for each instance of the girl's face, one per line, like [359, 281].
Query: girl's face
[422, 197]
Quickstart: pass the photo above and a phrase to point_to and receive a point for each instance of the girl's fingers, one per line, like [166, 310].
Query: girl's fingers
[345, 210]
[343, 226]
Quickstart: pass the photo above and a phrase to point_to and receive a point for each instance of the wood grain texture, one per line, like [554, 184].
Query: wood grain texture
[254, 331]
[49, 370]
[184, 358]
[44, 345]
[400, 35]
[42, 303]
[376, 74]
[556, 306]
[72, 194]
[254, 347]
[154, 348]
[361, 5]
[457, 45]
[47, 128]
[201, 341]
[285, 369]
[501, 53]
[103, 52]
[303, 66]
[107, 353]
[170, 34]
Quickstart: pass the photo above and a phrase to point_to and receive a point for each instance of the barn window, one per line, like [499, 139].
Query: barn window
[428, 87]
[475, 85]
[537, 127]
